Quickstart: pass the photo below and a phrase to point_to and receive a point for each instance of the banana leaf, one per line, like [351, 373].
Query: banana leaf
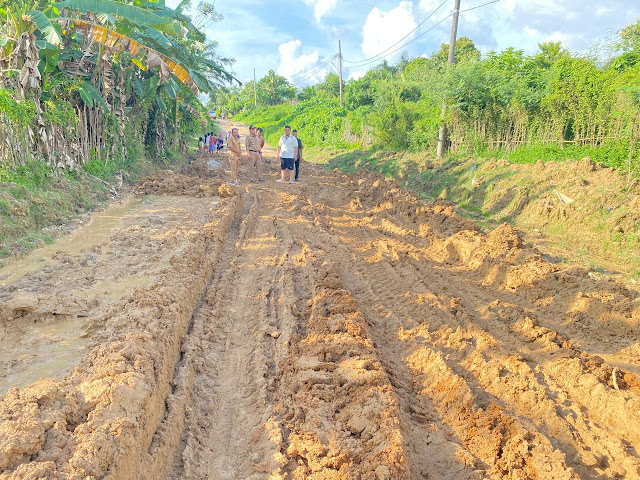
[42, 23]
[161, 104]
[91, 95]
[123, 10]
[104, 36]
[181, 5]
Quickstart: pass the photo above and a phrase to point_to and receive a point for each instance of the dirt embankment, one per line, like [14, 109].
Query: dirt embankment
[578, 211]
[336, 328]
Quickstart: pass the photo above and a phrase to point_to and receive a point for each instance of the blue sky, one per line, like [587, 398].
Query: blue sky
[297, 38]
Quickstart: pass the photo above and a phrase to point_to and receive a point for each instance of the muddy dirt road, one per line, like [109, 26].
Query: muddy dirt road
[337, 328]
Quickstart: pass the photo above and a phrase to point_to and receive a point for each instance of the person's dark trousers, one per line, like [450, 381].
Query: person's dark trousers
[297, 168]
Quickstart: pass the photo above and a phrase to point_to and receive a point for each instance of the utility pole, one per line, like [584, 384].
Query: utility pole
[340, 63]
[442, 138]
[255, 92]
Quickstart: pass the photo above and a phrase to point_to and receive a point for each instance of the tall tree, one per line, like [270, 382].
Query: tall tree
[274, 89]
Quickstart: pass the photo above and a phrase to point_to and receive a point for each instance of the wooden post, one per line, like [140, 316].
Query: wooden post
[340, 64]
[442, 137]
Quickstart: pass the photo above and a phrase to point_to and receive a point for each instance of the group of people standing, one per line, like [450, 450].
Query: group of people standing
[289, 152]
[210, 143]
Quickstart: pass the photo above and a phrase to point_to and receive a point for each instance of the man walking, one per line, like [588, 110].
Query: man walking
[287, 153]
[252, 144]
[233, 143]
[299, 156]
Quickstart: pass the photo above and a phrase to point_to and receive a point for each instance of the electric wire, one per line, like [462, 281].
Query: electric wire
[306, 77]
[478, 6]
[424, 33]
[300, 84]
[312, 71]
[403, 38]
[404, 45]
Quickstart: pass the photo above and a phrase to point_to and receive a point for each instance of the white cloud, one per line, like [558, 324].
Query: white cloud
[383, 29]
[321, 7]
[429, 7]
[298, 67]
[357, 75]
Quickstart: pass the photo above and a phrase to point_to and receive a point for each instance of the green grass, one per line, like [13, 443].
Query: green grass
[32, 198]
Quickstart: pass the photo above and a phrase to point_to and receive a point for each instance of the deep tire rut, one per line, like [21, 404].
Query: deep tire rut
[339, 328]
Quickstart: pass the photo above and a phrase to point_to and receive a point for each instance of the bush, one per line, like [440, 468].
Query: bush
[31, 174]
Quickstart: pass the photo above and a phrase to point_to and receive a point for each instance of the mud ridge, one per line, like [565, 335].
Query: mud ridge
[336, 328]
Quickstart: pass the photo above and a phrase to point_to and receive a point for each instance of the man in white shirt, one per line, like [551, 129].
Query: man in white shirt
[287, 153]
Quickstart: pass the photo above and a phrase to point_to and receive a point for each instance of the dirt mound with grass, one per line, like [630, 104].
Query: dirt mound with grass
[576, 211]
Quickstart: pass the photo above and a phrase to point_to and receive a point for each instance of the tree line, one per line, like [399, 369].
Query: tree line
[551, 104]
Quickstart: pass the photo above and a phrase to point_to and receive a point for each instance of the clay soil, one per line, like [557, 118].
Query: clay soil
[337, 328]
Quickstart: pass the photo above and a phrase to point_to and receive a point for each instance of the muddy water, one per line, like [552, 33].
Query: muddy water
[42, 339]
[44, 351]
[97, 230]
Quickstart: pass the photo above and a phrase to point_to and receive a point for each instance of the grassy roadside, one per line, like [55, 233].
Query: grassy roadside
[577, 210]
[34, 204]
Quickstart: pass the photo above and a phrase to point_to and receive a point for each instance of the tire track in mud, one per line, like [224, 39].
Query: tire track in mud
[227, 432]
[223, 418]
[336, 408]
[254, 400]
[392, 288]
[346, 330]
[169, 437]
[429, 447]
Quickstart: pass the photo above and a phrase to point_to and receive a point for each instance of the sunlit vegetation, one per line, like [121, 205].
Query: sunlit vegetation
[551, 105]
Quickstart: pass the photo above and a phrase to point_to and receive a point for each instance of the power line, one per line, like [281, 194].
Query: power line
[309, 81]
[304, 83]
[403, 38]
[409, 42]
[483, 5]
[306, 77]
[424, 33]
[312, 71]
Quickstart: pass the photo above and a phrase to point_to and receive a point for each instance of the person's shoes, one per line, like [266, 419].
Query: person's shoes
[290, 181]
[252, 181]
[261, 180]
[279, 180]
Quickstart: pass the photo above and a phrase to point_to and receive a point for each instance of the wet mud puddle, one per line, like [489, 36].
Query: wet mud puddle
[52, 300]
[98, 229]
[49, 350]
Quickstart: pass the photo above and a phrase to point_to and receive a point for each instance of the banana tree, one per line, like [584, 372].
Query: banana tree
[110, 59]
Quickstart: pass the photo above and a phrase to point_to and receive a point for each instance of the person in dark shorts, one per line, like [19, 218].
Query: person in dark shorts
[299, 157]
[287, 153]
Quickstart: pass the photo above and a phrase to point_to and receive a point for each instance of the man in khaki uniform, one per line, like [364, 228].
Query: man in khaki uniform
[252, 143]
[234, 155]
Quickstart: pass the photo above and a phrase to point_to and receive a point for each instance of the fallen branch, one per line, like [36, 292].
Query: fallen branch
[112, 189]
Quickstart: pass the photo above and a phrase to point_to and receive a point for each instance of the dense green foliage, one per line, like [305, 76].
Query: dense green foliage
[550, 105]
[94, 88]
[102, 83]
